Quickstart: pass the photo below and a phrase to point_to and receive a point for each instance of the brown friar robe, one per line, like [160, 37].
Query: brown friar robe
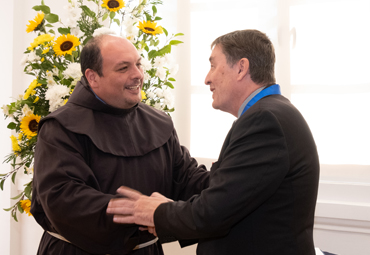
[85, 151]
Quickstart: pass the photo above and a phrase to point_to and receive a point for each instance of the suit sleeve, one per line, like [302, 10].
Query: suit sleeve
[66, 194]
[250, 169]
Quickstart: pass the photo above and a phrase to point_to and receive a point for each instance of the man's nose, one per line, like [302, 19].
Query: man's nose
[207, 81]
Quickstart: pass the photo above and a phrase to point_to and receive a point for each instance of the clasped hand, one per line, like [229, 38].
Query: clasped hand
[136, 208]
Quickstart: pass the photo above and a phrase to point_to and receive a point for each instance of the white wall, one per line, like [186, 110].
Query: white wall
[22, 237]
[5, 69]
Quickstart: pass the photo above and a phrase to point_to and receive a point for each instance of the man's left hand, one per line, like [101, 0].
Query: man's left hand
[135, 208]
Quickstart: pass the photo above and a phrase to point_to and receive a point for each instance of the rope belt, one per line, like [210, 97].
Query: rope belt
[139, 246]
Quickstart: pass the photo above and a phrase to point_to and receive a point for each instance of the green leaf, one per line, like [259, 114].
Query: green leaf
[148, 17]
[179, 34]
[64, 31]
[75, 54]
[20, 209]
[14, 214]
[87, 11]
[16, 197]
[158, 18]
[171, 79]
[105, 16]
[87, 39]
[112, 15]
[12, 125]
[146, 48]
[169, 84]
[27, 191]
[156, 43]
[45, 9]
[175, 42]
[13, 177]
[154, 10]
[8, 209]
[52, 18]
[51, 31]
[152, 54]
[2, 184]
[42, 81]
[166, 49]
[165, 31]
[117, 21]
[152, 42]
[49, 25]
[68, 57]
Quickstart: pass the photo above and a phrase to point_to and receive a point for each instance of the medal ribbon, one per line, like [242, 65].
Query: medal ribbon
[271, 90]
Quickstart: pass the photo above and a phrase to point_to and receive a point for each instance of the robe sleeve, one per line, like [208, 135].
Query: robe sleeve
[189, 178]
[250, 169]
[67, 197]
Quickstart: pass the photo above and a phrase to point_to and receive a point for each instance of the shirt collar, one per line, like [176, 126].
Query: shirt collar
[101, 100]
[249, 98]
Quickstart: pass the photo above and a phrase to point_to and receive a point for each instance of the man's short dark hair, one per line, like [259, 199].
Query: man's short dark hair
[256, 47]
[91, 57]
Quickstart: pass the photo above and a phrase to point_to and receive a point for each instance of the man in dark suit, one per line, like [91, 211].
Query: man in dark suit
[263, 187]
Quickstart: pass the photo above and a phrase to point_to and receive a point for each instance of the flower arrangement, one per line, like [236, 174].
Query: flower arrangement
[53, 58]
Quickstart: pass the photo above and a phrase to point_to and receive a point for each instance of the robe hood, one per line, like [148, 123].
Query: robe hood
[121, 132]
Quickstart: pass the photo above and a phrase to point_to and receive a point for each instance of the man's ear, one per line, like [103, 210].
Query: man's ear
[243, 66]
[92, 77]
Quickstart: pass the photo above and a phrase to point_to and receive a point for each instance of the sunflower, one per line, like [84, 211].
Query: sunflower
[65, 44]
[36, 23]
[149, 27]
[29, 125]
[113, 5]
[26, 206]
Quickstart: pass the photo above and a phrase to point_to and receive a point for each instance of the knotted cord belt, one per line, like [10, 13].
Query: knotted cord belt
[139, 246]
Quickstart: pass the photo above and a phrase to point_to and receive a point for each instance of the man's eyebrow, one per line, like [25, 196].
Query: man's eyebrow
[122, 63]
[127, 62]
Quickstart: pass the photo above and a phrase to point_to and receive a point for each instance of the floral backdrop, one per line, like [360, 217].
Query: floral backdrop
[53, 59]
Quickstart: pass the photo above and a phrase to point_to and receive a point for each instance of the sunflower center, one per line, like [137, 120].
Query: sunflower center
[33, 126]
[113, 4]
[66, 46]
[149, 29]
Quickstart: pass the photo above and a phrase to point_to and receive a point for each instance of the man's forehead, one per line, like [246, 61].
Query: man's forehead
[119, 53]
[216, 51]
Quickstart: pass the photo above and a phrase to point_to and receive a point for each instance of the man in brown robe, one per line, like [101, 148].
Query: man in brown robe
[101, 139]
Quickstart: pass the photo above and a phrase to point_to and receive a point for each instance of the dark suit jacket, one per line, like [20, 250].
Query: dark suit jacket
[263, 189]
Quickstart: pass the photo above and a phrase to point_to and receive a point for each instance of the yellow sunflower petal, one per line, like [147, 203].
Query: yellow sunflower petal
[35, 22]
[149, 27]
[65, 44]
[113, 5]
